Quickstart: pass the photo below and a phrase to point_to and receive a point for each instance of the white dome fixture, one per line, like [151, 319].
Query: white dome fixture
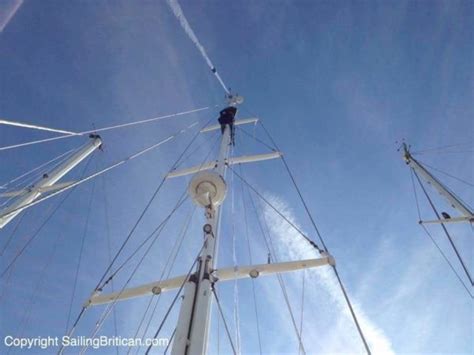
[207, 188]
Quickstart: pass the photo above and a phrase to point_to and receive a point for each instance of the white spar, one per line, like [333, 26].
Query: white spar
[229, 161]
[452, 199]
[236, 123]
[448, 220]
[207, 189]
[47, 182]
[253, 271]
[147, 289]
[55, 187]
[225, 274]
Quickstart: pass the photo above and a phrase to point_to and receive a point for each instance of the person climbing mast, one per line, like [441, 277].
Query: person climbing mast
[227, 115]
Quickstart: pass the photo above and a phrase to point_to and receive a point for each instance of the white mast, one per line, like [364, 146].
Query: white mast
[207, 189]
[193, 322]
[47, 183]
[443, 191]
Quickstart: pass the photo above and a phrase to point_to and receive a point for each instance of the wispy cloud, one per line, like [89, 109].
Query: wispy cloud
[342, 337]
[7, 10]
[178, 12]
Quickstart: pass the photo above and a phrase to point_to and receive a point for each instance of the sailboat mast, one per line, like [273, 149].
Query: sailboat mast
[48, 181]
[208, 189]
[452, 199]
[192, 330]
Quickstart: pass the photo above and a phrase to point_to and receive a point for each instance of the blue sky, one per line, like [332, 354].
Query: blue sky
[336, 83]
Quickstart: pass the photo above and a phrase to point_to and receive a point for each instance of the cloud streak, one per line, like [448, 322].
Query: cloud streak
[178, 12]
[7, 11]
[342, 337]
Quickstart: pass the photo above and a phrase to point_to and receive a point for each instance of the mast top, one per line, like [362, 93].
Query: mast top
[234, 100]
[406, 153]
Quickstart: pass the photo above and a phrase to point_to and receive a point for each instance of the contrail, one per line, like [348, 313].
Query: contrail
[178, 12]
[7, 10]
[292, 245]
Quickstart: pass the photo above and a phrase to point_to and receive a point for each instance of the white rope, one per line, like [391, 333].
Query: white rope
[104, 129]
[178, 12]
[100, 172]
[32, 126]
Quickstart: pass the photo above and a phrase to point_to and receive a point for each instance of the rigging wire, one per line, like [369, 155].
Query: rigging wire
[302, 309]
[94, 131]
[109, 249]
[346, 297]
[447, 174]
[214, 139]
[81, 250]
[277, 211]
[461, 261]
[25, 185]
[163, 222]
[178, 12]
[100, 172]
[98, 287]
[111, 306]
[168, 274]
[271, 251]
[293, 319]
[155, 233]
[32, 126]
[29, 172]
[236, 310]
[455, 152]
[164, 274]
[10, 274]
[257, 320]
[38, 230]
[173, 302]
[442, 147]
[240, 129]
[223, 320]
[297, 189]
[37, 289]
[183, 235]
[466, 205]
[48, 261]
[12, 234]
[169, 342]
[218, 336]
[447, 260]
[174, 258]
[341, 285]
[281, 280]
